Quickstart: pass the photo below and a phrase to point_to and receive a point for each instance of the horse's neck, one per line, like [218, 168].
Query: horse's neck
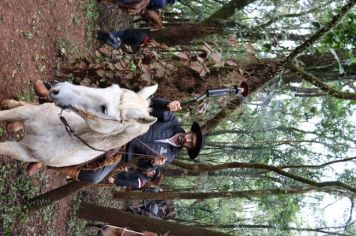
[112, 141]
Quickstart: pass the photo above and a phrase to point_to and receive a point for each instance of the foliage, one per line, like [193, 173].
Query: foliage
[75, 226]
[100, 196]
[107, 66]
[91, 13]
[276, 126]
[66, 48]
[342, 36]
[12, 198]
[28, 94]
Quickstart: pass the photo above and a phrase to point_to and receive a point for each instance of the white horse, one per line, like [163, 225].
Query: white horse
[104, 118]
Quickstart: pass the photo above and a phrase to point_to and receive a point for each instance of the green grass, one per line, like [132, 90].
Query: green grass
[91, 13]
[15, 189]
[66, 47]
[47, 215]
[98, 196]
[76, 226]
[28, 94]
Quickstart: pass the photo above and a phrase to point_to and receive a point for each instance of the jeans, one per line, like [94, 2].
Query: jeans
[96, 176]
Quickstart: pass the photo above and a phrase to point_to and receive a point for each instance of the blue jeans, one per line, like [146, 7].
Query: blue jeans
[96, 176]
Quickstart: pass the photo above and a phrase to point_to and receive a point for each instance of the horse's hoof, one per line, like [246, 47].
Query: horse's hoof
[33, 168]
[14, 127]
[40, 89]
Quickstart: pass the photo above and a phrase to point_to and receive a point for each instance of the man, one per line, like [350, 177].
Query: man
[161, 144]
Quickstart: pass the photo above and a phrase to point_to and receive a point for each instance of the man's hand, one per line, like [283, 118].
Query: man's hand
[174, 106]
[111, 180]
[159, 161]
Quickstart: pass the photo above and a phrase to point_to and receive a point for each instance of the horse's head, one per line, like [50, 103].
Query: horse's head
[108, 110]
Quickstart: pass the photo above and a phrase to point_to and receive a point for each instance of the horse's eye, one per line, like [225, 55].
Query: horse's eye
[103, 109]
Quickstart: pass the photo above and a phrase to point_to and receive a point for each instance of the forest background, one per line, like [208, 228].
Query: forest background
[279, 162]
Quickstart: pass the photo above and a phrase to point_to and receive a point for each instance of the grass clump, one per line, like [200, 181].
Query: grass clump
[91, 14]
[15, 189]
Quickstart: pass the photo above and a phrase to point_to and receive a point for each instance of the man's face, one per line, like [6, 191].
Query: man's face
[188, 140]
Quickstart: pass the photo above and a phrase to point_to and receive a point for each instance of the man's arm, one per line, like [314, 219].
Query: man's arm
[152, 163]
[162, 109]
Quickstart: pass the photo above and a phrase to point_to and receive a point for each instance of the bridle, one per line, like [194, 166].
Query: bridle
[92, 116]
[71, 132]
[87, 114]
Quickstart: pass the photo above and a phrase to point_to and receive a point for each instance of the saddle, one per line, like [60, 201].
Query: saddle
[99, 162]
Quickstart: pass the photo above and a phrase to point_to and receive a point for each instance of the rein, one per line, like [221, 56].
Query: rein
[71, 132]
[133, 163]
[94, 117]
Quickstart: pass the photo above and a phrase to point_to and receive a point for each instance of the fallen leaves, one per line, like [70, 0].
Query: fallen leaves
[107, 65]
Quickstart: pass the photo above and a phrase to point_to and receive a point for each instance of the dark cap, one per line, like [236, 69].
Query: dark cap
[200, 141]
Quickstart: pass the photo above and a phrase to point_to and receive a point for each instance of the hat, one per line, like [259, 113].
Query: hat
[200, 141]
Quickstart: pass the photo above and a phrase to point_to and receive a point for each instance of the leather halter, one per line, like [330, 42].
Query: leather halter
[90, 116]
[87, 115]
[71, 132]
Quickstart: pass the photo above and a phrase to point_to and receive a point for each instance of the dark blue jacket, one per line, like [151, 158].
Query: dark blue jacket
[167, 125]
[159, 4]
[133, 178]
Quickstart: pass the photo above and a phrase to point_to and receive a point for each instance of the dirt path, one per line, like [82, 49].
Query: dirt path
[33, 36]
[37, 37]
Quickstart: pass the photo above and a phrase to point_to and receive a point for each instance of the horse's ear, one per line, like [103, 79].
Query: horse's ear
[148, 120]
[146, 92]
[137, 114]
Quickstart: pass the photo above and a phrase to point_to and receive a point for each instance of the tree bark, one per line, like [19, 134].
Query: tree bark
[321, 32]
[54, 195]
[185, 33]
[308, 43]
[325, 230]
[207, 195]
[323, 86]
[203, 168]
[121, 218]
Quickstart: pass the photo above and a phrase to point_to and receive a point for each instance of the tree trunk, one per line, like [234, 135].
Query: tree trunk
[259, 73]
[325, 230]
[121, 218]
[207, 195]
[185, 33]
[54, 195]
[203, 168]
